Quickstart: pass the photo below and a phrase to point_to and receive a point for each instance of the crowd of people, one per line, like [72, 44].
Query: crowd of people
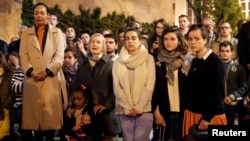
[129, 86]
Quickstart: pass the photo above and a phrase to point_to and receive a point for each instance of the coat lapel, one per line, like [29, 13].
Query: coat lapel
[34, 40]
[50, 45]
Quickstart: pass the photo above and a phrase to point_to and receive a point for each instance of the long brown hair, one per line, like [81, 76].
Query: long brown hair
[3, 63]
[182, 46]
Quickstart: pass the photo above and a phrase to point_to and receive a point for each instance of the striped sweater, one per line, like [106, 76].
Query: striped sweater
[17, 86]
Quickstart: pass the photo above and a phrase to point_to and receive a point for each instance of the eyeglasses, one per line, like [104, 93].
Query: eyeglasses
[224, 27]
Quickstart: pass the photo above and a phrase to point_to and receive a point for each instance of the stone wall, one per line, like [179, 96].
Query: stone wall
[142, 10]
[10, 13]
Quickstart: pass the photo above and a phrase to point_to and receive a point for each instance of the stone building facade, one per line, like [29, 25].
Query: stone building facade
[142, 10]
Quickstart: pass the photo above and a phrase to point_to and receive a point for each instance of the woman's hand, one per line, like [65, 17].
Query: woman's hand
[134, 112]
[137, 112]
[203, 125]
[70, 112]
[131, 113]
[76, 128]
[159, 120]
[39, 76]
[99, 108]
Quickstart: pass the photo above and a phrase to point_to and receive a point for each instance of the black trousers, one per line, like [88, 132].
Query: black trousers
[39, 135]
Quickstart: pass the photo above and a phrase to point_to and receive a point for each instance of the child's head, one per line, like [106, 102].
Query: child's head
[13, 60]
[70, 57]
[80, 97]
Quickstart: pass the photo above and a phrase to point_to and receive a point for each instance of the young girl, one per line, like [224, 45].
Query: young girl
[81, 121]
[70, 65]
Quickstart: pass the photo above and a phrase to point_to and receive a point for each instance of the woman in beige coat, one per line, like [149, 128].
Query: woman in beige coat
[41, 55]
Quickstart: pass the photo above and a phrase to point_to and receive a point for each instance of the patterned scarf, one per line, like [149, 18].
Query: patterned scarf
[174, 60]
[93, 60]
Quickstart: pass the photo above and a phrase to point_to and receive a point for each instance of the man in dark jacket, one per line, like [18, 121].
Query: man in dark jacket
[244, 47]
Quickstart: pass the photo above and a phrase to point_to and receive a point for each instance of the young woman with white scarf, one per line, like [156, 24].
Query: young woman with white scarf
[133, 80]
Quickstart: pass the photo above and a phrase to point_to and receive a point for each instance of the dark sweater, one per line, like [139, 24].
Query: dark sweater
[205, 94]
[160, 95]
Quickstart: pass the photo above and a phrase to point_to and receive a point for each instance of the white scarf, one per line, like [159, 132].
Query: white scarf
[138, 63]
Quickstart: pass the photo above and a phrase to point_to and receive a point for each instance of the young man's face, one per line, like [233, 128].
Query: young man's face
[183, 23]
[225, 29]
[225, 53]
[85, 38]
[110, 44]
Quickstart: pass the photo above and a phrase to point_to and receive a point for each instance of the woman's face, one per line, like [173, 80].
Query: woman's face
[196, 41]
[41, 15]
[96, 45]
[132, 41]
[69, 59]
[170, 41]
[79, 100]
[159, 29]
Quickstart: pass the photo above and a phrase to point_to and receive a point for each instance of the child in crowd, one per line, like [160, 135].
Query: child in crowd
[16, 83]
[70, 65]
[81, 122]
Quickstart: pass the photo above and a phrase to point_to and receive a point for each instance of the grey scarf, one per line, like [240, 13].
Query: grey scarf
[174, 60]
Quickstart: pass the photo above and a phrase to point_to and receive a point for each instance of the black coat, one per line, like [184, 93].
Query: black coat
[100, 81]
[160, 95]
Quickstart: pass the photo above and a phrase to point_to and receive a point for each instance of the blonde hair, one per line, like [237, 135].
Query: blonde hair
[104, 48]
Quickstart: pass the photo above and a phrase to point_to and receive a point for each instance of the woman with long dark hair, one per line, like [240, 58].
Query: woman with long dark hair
[172, 66]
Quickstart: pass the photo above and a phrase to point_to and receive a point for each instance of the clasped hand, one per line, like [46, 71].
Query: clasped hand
[134, 112]
[39, 76]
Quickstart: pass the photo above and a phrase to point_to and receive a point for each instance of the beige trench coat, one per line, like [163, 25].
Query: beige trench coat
[42, 100]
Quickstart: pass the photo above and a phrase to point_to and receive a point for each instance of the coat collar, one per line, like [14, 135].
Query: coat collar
[34, 41]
